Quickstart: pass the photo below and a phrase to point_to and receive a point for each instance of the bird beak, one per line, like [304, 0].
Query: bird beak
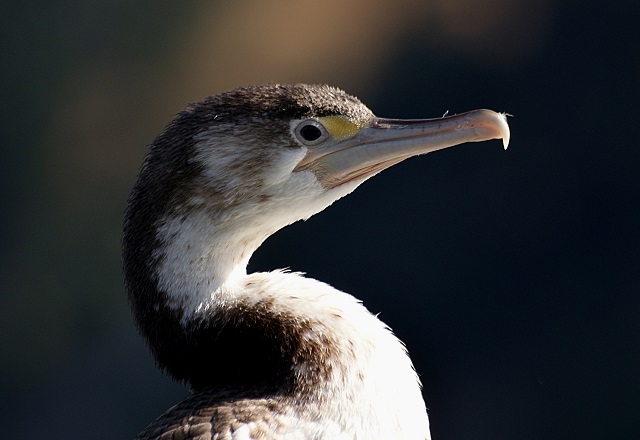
[385, 142]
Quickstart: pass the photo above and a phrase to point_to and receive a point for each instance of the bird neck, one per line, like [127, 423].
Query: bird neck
[210, 324]
[201, 256]
[200, 262]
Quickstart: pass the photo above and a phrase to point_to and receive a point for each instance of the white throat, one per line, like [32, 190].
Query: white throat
[203, 256]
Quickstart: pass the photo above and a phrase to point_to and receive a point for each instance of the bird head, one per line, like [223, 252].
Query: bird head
[284, 153]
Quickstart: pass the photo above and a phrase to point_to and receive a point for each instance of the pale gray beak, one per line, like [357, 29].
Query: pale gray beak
[385, 142]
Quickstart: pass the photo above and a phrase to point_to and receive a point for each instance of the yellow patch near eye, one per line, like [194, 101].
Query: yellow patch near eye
[339, 127]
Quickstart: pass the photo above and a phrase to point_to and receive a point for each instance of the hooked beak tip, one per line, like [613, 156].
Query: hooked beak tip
[506, 133]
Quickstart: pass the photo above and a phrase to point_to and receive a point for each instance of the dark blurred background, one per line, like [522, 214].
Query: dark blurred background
[513, 277]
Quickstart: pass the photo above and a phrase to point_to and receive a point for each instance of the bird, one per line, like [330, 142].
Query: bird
[270, 355]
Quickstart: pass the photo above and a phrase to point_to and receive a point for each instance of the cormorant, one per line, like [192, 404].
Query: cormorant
[270, 355]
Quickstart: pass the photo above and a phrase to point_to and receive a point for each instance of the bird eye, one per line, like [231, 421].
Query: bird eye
[311, 132]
